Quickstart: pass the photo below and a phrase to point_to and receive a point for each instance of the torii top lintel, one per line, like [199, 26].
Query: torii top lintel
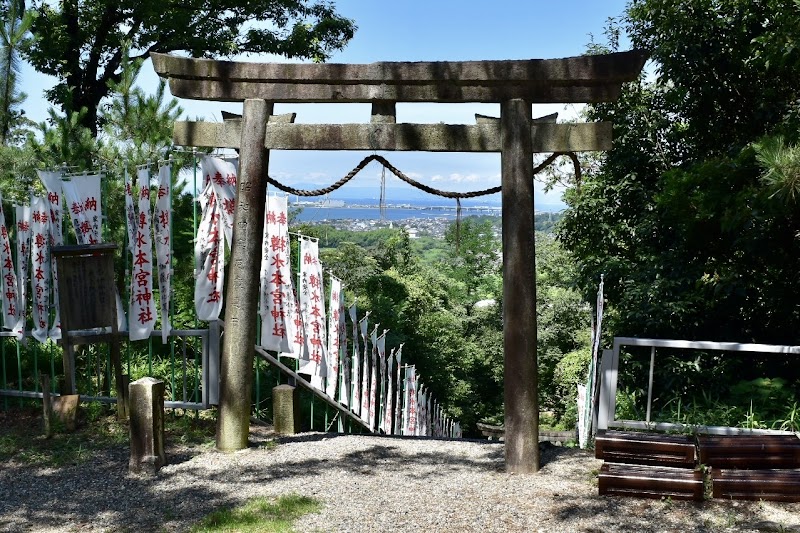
[589, 78]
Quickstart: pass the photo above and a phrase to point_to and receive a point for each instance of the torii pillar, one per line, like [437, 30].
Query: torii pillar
[515, 85]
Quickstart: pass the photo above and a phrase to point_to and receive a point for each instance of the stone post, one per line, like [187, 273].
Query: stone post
[519, 289]
[238, 343]
[146, 415]
[286, 409]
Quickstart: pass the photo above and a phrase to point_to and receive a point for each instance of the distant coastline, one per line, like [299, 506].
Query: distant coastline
[369, 209]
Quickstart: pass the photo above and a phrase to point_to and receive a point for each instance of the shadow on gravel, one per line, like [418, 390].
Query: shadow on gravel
[33, 499]
[73, 496]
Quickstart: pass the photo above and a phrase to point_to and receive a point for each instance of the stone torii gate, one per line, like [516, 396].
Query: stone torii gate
[514, 84]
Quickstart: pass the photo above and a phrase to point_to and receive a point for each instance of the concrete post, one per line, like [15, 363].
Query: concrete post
[236, 371]
[146, 415]
[286, 409]
[519, 289]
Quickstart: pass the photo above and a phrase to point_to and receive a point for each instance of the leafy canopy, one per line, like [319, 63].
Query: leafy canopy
[82, 43]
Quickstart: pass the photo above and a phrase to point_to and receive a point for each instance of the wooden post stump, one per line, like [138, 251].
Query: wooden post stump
[286, 409]
[146, 397]
[47, 406]
[65, 407]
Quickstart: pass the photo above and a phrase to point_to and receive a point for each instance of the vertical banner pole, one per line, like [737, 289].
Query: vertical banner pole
[242, 291]
[519, 289]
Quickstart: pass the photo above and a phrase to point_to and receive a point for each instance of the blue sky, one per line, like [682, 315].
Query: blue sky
[413, 30]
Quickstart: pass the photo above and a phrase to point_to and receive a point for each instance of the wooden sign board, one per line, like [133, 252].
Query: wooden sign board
[86, 285]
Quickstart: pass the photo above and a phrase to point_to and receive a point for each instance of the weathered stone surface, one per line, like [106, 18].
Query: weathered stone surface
[481, 137]
[573, 79]
[286, 409]
[146, 398]
[65, 408]
[236, 376]
[519, 291]
[615, 67]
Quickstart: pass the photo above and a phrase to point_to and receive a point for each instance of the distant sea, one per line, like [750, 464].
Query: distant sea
[368, 209]
[317, 214]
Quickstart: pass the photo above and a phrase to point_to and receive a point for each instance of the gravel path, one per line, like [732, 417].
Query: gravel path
[366, 484]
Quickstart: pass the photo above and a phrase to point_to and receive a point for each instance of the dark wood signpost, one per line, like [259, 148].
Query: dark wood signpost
[514, 84]
[88, 308]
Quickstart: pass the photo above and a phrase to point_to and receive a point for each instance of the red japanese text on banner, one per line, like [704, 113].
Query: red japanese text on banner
[23, 222]
[162, 222]
[218, 205]
[8, 275]
[52, 182]
[298, 348]
[276, 278]
[40, 267]
[82, 194]
[142, 304]
[312, 309]
[332, 360]
[222, 175]
[410, 402]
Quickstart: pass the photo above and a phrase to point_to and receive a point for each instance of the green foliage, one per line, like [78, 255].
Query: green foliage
[781, 163]
[691, 240]
[570, 371]
[260, 515]
[15, 23]
[82, 43]
[475, 257]
[429, 304]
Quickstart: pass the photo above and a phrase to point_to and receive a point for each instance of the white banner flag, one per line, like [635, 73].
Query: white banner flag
[398, 408]
[216, 225]
[364, 369]
[52, 182]
[162, 222]
[142, 304]
[312, 309]
[355, 379]
[295, 332]
[276, 278]
[130, 212]
[388, 411]
[410, 407]
[23, 221]
[40, 263]
[422, 415]
[11, 311]
[373, 379]
[344, 386]
[333, 338]
[82, 194]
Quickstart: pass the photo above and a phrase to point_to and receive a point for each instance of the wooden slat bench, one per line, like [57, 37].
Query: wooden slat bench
[773, 485]
[645, 448]
[749, 451]
[650, 482]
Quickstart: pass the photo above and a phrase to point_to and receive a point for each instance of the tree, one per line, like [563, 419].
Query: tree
[474, 257]
[15, 22]
[692, 241]
[82, 43]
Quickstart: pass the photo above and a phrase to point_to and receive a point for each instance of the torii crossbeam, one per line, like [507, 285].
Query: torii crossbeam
[515, 85]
